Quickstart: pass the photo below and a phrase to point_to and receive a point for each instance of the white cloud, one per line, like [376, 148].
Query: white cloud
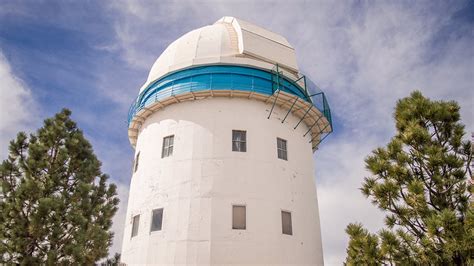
[17, 107]
[391, 47]
[365, 56]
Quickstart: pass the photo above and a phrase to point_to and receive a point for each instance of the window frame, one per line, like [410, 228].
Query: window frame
[234, 225]
[137, 221]
[283, 231]
[242, 144]
[166, 146]
[152, 229]
[282, 149]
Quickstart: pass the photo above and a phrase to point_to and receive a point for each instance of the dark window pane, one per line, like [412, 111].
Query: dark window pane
[235, 135]
[164, 150]
[235, 146]
[137, 158]
[286, 223]
[238, 217]
[243, 147]
[135, 223]
[239, 146]
[156, 220]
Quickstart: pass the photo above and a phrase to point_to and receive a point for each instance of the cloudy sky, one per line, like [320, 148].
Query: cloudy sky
[92, 56]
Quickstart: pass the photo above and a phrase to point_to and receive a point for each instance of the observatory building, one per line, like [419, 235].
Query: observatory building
[224, 131]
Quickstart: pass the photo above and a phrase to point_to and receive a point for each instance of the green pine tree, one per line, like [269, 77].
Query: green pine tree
[55, 204]
[114, 261]
[423, 182]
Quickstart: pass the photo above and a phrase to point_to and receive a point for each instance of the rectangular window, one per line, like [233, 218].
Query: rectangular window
[167, 146]
[135, 166]
[239, 140]
[156, 220]
[135, 223]
[282, 149]
[286, 223]
[238, 217]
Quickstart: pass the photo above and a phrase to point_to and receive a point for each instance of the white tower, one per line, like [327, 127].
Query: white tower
[224, 131]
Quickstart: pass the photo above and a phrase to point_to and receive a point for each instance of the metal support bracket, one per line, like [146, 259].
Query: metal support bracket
[319, 118]
[296, 99]
[303, 116]
[320, 134]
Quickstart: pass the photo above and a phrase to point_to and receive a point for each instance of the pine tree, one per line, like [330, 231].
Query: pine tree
[55, 204]
[114, 261]
[422, 181]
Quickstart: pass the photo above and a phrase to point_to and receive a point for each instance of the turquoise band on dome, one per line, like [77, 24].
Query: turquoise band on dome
[220, 77]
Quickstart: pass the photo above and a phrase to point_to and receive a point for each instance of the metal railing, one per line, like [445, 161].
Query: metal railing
[231, 77]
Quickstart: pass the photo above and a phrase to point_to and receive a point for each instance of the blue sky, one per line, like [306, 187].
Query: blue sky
[92, 56]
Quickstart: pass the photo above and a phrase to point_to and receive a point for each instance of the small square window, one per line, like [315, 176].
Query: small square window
[239, 217]
[156, 220]
[135, 223]
[167, 149]
[282, 149]
[239, 140]
[286, 223]
[135, 165]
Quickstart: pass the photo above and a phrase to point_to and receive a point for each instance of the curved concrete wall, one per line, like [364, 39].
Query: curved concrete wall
[200, 182]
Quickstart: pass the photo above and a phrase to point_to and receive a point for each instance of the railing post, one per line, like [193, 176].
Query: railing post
[324, 105]
[172, 88]
[305, 88]
[278, 92]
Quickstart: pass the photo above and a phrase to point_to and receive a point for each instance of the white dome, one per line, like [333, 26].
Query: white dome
[228, 41]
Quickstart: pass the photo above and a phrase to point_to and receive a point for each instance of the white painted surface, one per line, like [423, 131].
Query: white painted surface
[228, 41]
[199, 183]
